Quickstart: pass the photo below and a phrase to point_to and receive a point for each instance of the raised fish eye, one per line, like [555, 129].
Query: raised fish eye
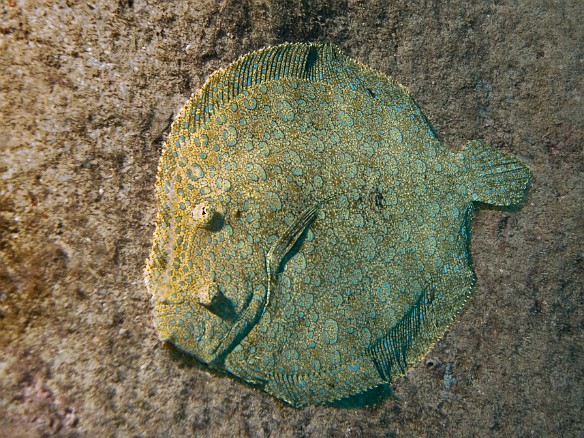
[206, 216]
[211, 297]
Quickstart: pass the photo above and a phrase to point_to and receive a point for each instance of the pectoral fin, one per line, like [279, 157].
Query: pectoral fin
[290, 238]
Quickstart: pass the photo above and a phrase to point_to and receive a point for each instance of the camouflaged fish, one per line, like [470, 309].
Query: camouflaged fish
[313, 231]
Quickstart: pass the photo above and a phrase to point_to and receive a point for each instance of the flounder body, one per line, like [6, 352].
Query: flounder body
[313, 231]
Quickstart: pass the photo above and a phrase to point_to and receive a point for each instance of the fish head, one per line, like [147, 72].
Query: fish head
[210, 283]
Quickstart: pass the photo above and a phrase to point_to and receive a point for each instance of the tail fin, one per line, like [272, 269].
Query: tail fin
[492, 177]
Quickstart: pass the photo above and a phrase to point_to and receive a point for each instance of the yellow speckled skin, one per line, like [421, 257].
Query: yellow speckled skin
[312, 234]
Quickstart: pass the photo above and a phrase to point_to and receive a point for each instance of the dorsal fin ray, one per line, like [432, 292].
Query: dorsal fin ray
[302, 61]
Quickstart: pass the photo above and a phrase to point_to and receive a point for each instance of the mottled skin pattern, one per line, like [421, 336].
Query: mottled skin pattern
[313, 231]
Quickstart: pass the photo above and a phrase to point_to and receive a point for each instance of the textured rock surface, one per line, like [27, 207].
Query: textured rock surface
[87, 95]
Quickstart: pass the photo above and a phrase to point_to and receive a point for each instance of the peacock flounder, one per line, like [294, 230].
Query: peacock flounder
[313, 231]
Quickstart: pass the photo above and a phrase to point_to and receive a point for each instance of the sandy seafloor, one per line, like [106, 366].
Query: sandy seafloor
[87, 94]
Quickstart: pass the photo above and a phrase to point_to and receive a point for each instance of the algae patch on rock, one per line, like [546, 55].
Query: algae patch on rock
[313, 231]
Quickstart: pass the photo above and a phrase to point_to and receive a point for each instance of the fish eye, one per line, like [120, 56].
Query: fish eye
[207, 216]
[211, 297]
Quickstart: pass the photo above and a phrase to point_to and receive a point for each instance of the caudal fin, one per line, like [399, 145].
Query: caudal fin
[492, 177]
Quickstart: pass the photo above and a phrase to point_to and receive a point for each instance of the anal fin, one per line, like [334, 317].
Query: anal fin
[391, 353]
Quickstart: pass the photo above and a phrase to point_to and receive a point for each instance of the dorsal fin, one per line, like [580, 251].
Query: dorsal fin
[299, 60]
